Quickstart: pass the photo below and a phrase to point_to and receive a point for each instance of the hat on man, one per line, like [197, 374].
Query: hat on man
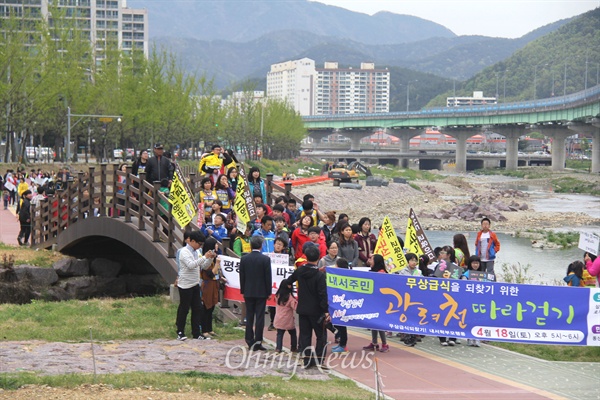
[158, 146]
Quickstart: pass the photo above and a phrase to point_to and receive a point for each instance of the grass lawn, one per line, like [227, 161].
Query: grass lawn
[207, 383]
[143, 318]
[110, 319]
[554, 353]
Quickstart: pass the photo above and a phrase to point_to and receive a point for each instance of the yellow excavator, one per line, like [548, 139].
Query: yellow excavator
[341, 174]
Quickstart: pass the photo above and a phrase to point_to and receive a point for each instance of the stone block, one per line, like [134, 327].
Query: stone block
[68, 267]
[104, 267]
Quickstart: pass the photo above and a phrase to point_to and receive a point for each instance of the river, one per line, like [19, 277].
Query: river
[546, 266]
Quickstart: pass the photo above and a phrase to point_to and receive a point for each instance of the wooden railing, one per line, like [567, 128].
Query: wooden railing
[117, 194]
[110, 193]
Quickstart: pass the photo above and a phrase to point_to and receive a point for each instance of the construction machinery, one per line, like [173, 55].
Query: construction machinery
[349, 174]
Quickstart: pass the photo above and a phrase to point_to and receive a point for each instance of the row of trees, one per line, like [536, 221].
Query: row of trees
[47, 67]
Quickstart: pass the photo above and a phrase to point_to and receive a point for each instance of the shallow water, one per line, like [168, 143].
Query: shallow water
[546, 266]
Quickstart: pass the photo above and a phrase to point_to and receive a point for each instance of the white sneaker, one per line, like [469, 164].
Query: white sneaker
[181, 336]
[444, 343]
[451, 342]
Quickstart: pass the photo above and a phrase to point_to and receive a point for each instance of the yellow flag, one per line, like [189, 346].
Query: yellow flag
[415, 240]
[389, 247]
[410, 240]
[240, 207]
[182, 207]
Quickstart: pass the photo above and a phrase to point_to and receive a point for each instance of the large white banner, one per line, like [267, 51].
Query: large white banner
[230, 267]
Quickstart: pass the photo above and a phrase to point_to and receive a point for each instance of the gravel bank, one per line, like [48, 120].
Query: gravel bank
[446, 195]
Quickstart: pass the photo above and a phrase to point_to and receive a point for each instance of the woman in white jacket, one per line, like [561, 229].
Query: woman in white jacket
[188, 284]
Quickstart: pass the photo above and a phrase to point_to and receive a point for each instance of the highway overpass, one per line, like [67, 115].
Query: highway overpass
[556, 117]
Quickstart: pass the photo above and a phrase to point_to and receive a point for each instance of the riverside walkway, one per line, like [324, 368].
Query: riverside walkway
[426, 371]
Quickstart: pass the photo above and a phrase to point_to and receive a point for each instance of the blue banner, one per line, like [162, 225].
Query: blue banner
[464, 308]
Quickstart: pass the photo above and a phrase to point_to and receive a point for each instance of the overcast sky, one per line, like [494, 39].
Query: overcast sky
[498, 18]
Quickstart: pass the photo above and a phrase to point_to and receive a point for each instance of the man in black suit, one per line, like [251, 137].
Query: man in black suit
[255, 286]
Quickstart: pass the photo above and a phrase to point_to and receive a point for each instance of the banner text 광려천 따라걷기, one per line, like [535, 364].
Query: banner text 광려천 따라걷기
[464, 309]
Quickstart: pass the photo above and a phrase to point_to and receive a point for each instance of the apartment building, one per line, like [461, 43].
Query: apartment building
[476, 100]
[351, 90]
[293, 81]
[243, 99]
[102, 21]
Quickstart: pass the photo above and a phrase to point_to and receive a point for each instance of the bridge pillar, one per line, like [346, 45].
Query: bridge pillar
[558, 134]
[461, 134]
[355, 136]
[404, 135]
[512, 133]
[594, 130]
[318, 134]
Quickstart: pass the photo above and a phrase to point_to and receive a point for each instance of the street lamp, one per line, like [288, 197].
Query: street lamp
[497, 76]
[586, 72]
[408, 93]
[565, 84]
[535, 80]
[454, 91]
[82, 116]
[504, 95]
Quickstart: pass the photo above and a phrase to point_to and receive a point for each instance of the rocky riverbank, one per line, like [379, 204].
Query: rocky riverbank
[452, 203]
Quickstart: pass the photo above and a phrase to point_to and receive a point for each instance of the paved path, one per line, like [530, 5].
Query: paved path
[9, 226]
[429, 370]
[424, 372]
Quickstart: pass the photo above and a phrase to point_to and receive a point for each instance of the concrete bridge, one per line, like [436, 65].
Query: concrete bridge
[556, 117]
[429, 160]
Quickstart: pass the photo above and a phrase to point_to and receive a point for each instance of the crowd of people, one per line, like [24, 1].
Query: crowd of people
[21, 189]
[314, 239]
[310, 237]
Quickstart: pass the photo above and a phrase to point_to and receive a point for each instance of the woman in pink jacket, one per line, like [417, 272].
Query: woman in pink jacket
[592, 264]
[284, 316]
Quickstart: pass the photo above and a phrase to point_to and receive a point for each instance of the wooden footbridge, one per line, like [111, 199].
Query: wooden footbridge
[107, 213]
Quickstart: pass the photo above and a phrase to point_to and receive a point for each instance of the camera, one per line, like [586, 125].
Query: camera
[328, 325]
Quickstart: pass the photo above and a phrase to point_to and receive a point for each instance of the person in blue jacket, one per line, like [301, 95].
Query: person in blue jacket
[266, 231]
[216, 230]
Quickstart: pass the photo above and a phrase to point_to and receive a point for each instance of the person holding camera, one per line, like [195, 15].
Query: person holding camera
[313, 308]
[188, 284]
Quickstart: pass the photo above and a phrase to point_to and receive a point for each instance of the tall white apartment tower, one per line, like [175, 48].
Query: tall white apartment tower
[352, 91]
[293, 81]
[99, 20]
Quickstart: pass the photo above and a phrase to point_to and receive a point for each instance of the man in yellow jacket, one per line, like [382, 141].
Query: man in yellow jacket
[213, 163]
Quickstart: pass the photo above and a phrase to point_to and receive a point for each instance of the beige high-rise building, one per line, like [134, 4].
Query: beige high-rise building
[293, 81]
[101, 21]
